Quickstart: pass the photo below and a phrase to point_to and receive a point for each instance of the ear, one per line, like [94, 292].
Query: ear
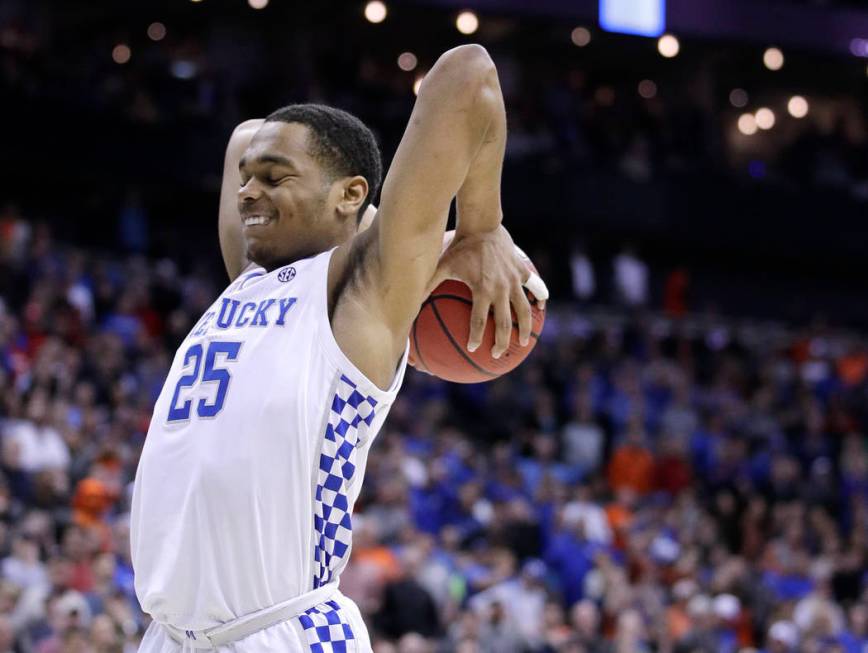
[354, 192]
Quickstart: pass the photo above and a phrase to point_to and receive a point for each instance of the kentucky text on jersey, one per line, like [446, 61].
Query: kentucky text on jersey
[234, 313]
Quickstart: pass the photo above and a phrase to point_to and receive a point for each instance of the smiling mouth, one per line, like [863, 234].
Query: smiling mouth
[256, 220]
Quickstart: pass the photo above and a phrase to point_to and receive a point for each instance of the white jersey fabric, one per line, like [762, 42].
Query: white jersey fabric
[255, 455]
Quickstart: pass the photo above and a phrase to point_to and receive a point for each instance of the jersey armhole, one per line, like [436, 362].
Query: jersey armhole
[336, 355]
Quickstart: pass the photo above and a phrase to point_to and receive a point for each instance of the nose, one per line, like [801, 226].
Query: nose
[249, 192]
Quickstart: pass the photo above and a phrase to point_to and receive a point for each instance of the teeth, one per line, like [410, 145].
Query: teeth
[256, 219]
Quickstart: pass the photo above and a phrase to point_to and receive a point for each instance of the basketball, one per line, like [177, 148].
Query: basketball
[438, 340]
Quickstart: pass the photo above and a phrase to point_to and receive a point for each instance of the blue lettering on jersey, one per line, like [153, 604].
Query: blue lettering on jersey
[259, 318]
[224, 320]
[242, 320]
[250, 314]
[285, 305]
[202, 326]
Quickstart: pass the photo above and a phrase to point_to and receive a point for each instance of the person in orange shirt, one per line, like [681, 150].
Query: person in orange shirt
[620, 514]
[678, 622]
[853, 366]
[632, 465]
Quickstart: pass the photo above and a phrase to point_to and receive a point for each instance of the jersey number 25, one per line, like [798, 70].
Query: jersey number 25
[211, 374]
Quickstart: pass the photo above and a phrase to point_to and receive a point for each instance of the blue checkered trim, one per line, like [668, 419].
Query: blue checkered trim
[350, 415]
[326, 631]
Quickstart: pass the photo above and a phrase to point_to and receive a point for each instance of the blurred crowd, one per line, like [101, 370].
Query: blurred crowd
[641, 483]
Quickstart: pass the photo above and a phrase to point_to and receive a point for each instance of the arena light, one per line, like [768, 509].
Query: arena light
[859, 47]
[121, 53]
[183, 69]
[765, 118]
[605, 96]
[467, 22]
[580, 36]
[407, 61]
[797, 106]
[375, 11]
[738, 98]
[647, 89]
[773, 59]
[417, 84]
[747, 124]
[668, 46]
[756, 169]
[258, 4]
[156, 31]
[639, 17]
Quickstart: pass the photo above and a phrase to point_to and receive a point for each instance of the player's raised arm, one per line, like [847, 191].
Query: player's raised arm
[459, 111]
[232, 245]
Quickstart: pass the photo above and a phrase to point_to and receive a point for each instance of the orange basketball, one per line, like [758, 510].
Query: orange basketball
[438, 341]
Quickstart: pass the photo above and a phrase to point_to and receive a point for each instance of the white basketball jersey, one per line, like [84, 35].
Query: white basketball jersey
[255, 454]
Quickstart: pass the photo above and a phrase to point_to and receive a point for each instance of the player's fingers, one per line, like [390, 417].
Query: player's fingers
[478, 318]
[521, 306]
[502, 325]
[537, 287]
[440, 275]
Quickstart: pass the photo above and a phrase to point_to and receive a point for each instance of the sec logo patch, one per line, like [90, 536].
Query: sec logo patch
[286, 274]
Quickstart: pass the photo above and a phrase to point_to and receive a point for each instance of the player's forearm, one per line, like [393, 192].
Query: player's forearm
[478, 200]
[229, 224]
[240, 139]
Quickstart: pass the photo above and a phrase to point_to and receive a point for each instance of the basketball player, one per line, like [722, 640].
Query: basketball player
[241, 515]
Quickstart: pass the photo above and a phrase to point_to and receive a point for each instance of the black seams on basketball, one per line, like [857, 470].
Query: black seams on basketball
[438, 340]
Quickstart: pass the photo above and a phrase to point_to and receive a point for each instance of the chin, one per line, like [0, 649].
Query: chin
[271, 255]
[260, 256]
[270, 260]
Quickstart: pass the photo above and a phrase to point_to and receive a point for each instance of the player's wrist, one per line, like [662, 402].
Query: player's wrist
[474, 220]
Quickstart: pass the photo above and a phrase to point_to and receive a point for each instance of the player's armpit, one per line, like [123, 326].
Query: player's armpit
[229, 222]
[458, 100]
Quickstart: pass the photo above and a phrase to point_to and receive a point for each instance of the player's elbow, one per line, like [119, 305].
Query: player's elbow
[470, 57]
[460, 75]
[240, 139]
[243, 133]
[248, 125]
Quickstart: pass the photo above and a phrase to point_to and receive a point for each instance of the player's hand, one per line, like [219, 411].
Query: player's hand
[496, 272]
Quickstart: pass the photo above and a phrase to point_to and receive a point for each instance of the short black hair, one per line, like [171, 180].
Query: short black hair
[342, 143]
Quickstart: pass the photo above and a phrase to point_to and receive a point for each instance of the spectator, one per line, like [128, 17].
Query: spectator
[38, 445]
[783, 637]
[522, 601]
[23, 567]
[632, 465]
[585, 618]
[582, 273]
[583, 439]
[407, 607]
[631, 279]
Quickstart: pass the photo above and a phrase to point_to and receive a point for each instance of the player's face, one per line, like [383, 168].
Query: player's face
[286, 201]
